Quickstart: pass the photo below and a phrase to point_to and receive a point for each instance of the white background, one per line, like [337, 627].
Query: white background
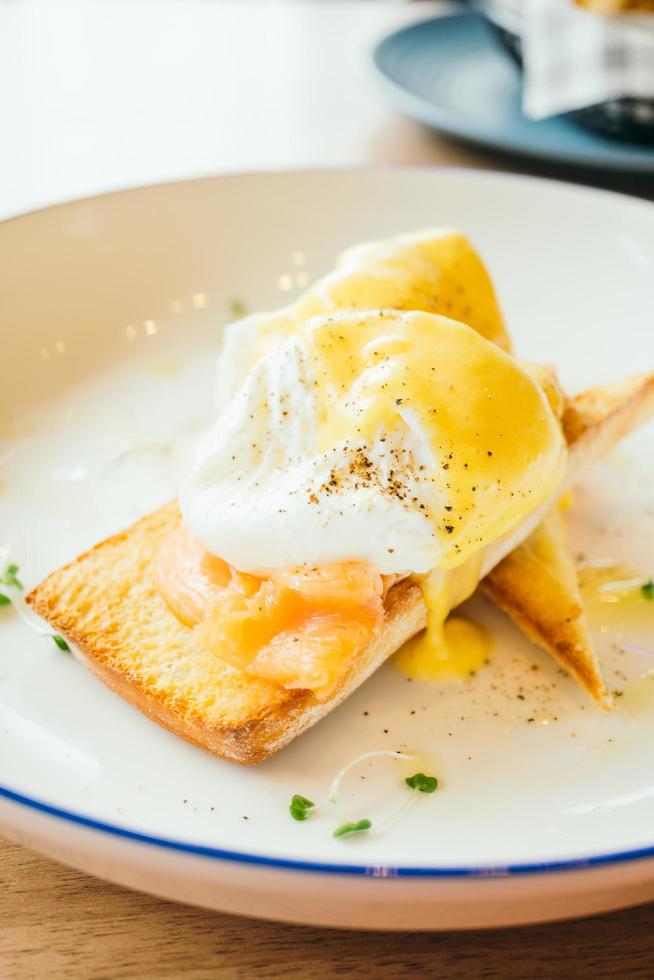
[101, 94]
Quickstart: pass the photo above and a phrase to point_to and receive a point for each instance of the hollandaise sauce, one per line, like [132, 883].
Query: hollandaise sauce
[456, 648]
[451, 646]
[495, 448]
[434, 271]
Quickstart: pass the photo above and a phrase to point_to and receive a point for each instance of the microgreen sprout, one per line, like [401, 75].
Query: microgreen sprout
[647, 588]
[425, 784]
[238, 308]
[332, 796]
[621, 585]
[10, 577]
[11, 593]
[300, 807]
[10, 584]
[352, 828]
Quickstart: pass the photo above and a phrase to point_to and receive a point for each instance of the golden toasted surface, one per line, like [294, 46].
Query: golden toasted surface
[617, 6]
[537, 586]
[107, 604]
[603, 415]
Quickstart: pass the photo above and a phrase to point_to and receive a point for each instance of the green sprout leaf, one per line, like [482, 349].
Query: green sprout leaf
[4, 600]
[648, 590]
[61, 643]
[237, 308]
[300, 807]
[352, 828]
[424, 784]
[10, 577]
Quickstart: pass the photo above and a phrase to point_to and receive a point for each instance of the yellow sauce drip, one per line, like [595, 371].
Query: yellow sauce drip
[456, 649]
[448, 647]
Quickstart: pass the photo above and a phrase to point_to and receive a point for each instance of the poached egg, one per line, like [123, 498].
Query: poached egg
[362, 436]
[401, 439]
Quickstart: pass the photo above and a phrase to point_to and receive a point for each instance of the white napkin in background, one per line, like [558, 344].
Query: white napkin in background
[574, 58]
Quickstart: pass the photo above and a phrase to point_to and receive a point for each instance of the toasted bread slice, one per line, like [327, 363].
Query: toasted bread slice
[596, 419]
[106, 603]
[537, 585]
[617, 6]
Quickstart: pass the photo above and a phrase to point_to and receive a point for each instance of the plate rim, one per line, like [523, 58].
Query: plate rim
[560, 183]
[373, 870]
[59, 815]
[434, 116]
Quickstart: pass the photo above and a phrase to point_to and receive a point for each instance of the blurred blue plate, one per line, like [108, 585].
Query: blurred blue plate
[450, 73]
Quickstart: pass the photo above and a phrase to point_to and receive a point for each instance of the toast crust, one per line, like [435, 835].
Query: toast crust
[107, 604]
[537, 586]
[597, 418]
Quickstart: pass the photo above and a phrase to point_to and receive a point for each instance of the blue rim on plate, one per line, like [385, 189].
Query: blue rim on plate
[317, 867]
[451, 74]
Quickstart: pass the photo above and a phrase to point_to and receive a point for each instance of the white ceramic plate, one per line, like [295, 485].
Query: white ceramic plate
[112, 311]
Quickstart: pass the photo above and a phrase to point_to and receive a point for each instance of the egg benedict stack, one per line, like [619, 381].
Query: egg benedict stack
[377, 452]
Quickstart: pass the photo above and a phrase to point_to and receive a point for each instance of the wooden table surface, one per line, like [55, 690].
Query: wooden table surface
[253, 95]
[59, 923]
